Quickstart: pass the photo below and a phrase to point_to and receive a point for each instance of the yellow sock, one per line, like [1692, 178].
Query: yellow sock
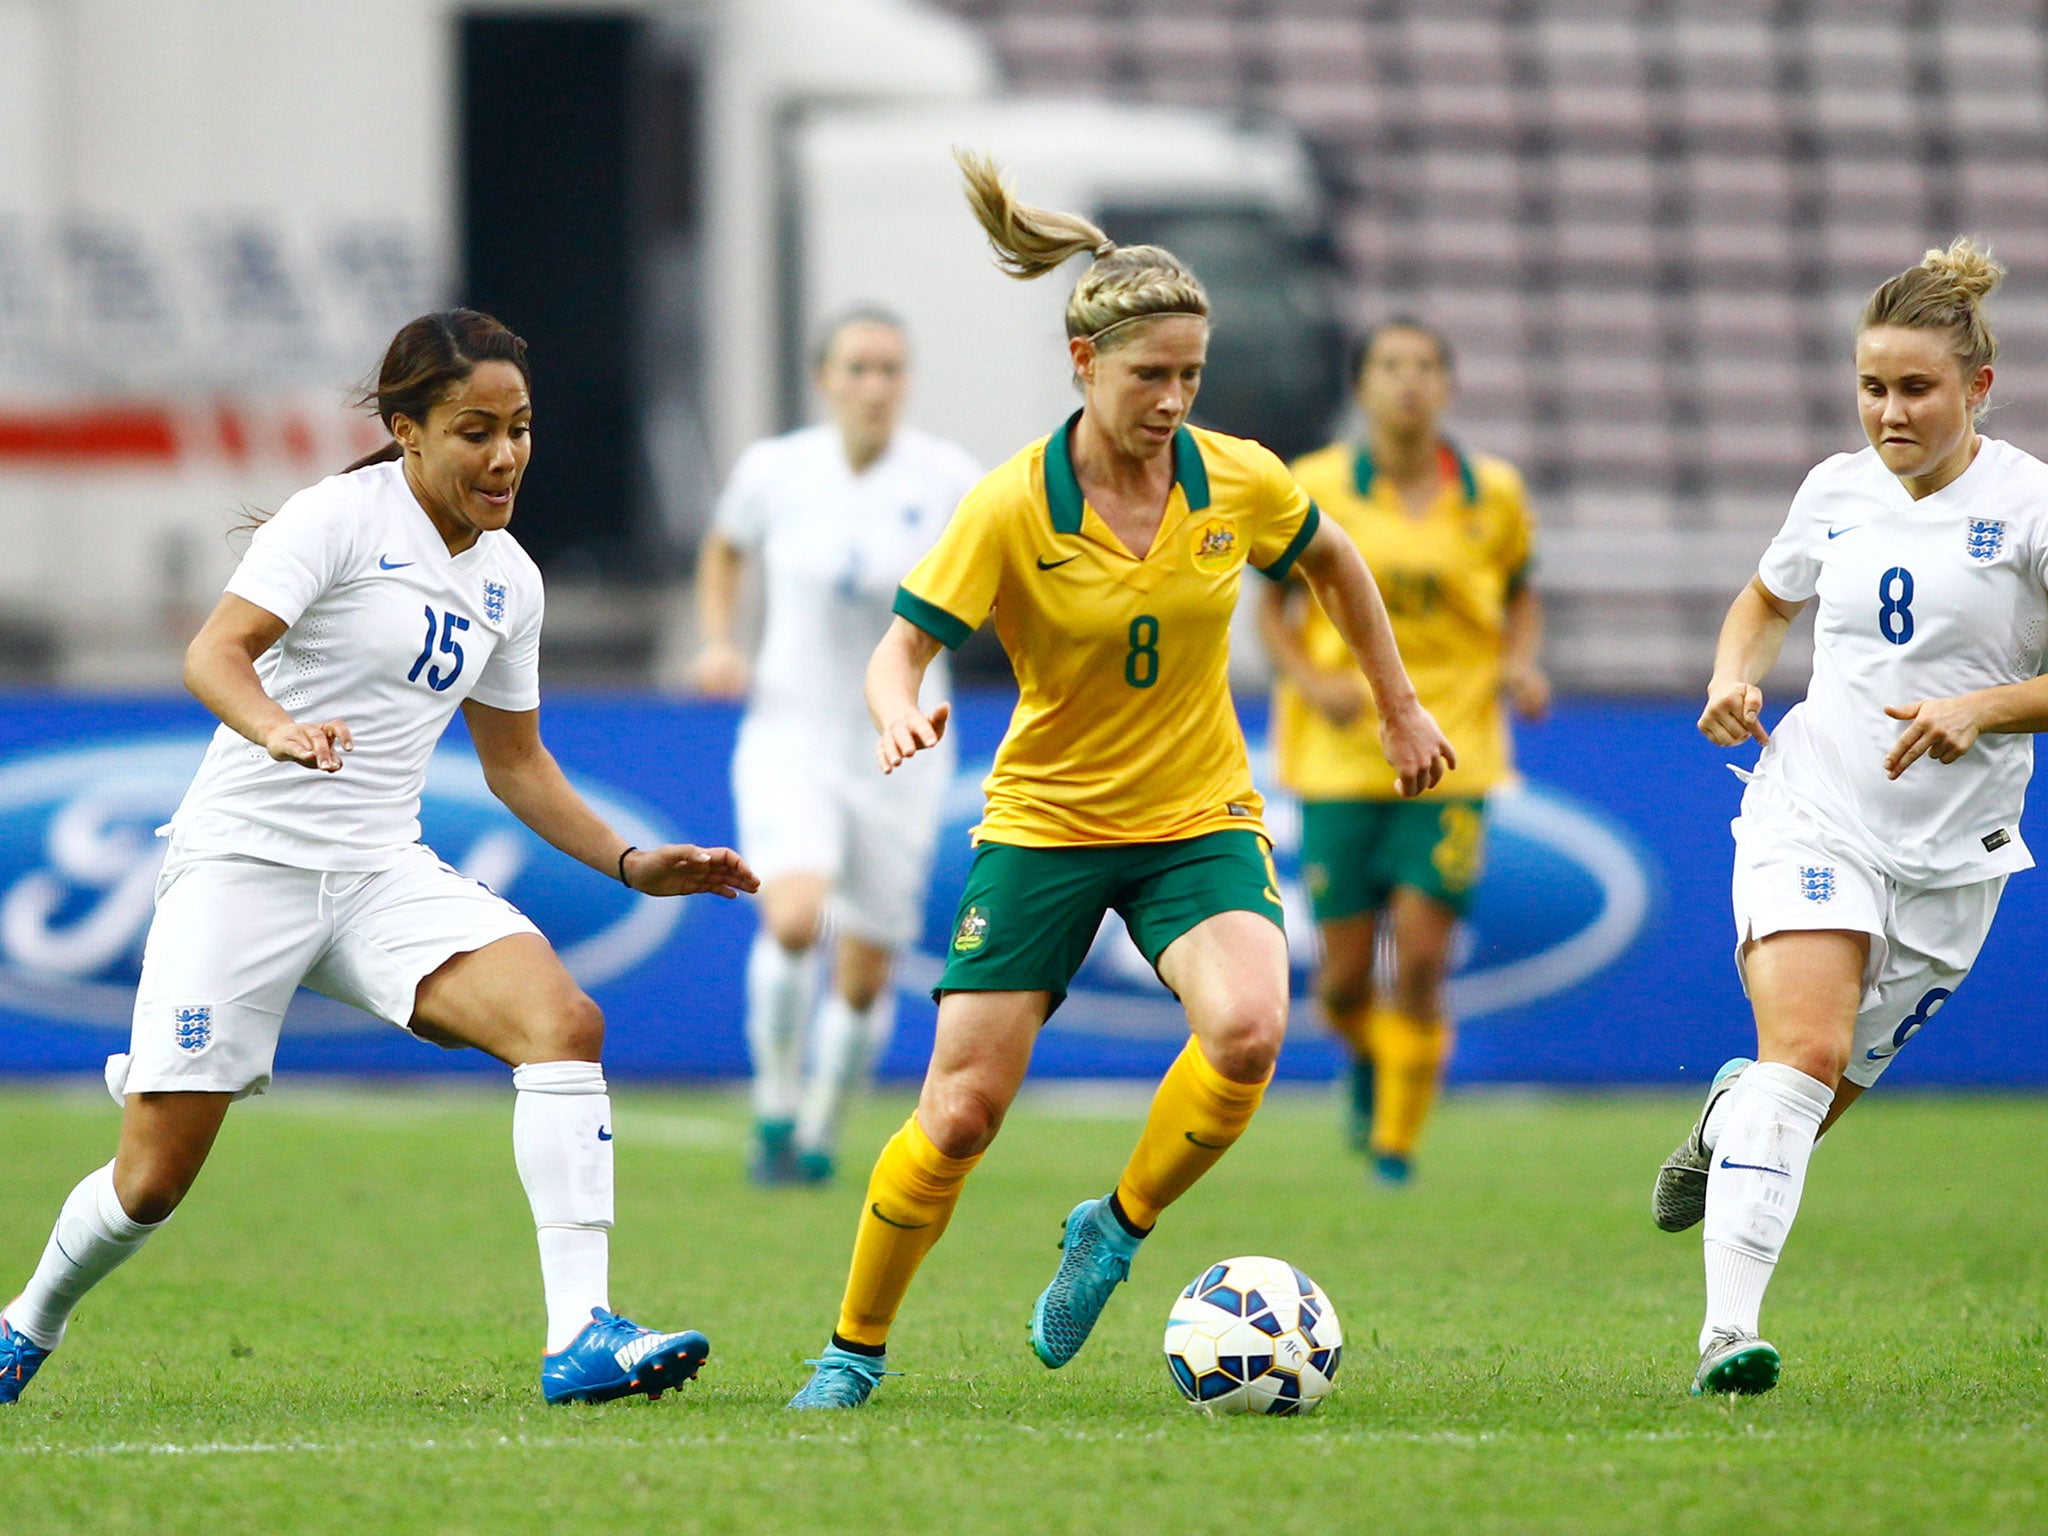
[911, 1195]
[1354, 1027]
[1408, 1064]
[1196, 1114]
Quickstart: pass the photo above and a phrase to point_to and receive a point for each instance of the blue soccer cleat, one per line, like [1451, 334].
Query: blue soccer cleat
[773, 1159]
[1392, 1168]
[613, 1358]
[1095, 1258]
[815, 1166]
[19, 1362]
[840, 1378]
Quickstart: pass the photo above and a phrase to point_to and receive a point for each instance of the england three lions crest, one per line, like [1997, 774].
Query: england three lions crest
[494, 601]
[1985, 539]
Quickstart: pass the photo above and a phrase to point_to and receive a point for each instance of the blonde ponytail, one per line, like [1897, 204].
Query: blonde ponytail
[1125, 282]
[1946, 292]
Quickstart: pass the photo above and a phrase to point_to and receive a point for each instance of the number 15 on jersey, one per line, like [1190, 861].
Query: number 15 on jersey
[446, 626]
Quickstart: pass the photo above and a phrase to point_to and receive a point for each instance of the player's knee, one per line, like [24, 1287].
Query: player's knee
[1244, 1043]
[793, 925]
[1343, 992]
[574, 1030]
[149, 1193]
[1418, 989]
[960, 1119]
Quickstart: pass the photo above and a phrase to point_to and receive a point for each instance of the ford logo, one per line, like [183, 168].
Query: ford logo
[1566, 892]
[79, 860]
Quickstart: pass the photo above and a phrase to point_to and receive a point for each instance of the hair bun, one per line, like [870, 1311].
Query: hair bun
[1966, 267]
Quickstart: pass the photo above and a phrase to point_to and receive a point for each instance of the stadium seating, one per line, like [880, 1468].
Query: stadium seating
[1648, 227]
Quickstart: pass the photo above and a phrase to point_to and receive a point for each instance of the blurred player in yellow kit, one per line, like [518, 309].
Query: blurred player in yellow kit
[1448, 538]
[1109, 556]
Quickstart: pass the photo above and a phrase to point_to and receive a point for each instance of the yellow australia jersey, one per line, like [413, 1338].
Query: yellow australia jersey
[1446, 577]
[1124, 730]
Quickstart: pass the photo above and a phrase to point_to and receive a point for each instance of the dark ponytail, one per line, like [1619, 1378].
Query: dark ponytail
[427, 358]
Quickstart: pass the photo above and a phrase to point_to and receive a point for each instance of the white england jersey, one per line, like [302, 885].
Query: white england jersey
[386, 631]
[1918, 600]
[834, 545]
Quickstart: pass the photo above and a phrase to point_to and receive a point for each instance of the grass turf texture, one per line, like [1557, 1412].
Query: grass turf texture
[340, 1333]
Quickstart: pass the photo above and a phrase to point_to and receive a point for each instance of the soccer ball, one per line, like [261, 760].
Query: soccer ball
[1253, 1335]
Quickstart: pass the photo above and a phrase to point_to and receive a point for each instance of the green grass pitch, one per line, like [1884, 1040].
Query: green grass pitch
[340, 1333]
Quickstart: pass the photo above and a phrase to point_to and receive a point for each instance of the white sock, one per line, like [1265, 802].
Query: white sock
[1753, 1187]
[780, 989]
[562, 1142]
[850, 1041]
[93, 1238]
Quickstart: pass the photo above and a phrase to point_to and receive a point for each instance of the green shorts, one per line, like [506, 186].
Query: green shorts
[1356, 853]
[1028, 915]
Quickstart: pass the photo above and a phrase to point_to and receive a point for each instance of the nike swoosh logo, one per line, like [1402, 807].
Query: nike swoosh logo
[604, 1133]
[386, 563]
[901, 1226]
[1053, 565]
[1213, 1146]
[1836, 533]
[1783, 1173]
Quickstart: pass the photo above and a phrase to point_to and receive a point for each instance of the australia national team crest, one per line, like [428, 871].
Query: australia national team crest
[193, 1028]
[494, 601]
[1215, 547]
[1985, 539]
[972, 932]
[1817, 882]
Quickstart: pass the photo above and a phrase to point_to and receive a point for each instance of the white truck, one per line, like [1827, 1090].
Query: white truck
[214, 212]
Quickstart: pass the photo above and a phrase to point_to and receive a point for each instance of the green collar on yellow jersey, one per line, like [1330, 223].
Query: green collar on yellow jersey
[1363, 471]
[1063, 489]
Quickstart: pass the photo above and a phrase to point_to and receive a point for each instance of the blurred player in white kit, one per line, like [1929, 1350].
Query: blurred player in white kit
[836, 514]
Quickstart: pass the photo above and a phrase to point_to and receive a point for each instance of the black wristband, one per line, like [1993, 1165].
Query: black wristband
[622, 867]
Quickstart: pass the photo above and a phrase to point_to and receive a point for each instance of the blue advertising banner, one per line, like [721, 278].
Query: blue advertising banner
[1598, 950]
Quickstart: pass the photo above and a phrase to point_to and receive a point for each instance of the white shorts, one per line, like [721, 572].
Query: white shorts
[233, 938]
[808, 806]
[1791, 875]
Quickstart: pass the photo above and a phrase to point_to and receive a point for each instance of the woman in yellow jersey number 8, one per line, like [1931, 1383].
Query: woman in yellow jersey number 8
[1109, 555]
[1449, 538]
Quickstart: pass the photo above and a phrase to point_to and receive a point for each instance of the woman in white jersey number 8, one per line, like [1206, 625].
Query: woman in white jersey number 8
[368, 608]
[1882, 820]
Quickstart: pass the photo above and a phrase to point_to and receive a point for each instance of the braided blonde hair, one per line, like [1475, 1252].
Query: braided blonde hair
[1125, 283]
[1945, 292]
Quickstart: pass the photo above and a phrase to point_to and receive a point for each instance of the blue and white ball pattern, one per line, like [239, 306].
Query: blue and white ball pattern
[1253, 1335]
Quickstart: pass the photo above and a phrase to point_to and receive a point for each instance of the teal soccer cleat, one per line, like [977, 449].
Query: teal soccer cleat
[19, 1362]
[1095, 1258]
[613, 1358]
[1358, 1085]
[1679, 1199]
[840, 1378]
[1738, 1364]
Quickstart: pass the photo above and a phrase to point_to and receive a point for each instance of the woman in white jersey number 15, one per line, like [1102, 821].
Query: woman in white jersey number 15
[836, 514]
[1882, 820]
[365, 610]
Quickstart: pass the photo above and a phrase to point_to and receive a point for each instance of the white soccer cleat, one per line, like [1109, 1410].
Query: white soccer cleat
[1735, 1363]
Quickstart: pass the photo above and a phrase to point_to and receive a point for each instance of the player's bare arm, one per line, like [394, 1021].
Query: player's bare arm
[1751, 637]
[1944, 729]
[1338, 694]
[1417, 749]
[1522, 678]
[720, 670]
[220, 672]
[894, 674]
[523, 774]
